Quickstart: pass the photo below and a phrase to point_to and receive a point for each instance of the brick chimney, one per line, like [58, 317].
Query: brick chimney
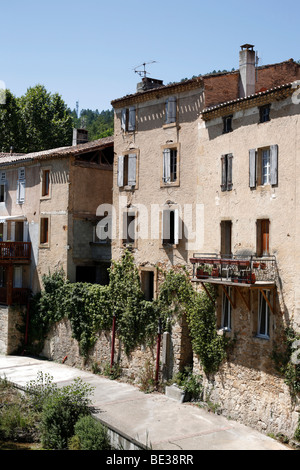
[247, 70]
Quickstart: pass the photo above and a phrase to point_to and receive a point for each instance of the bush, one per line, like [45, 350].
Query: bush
[61, 410]
[89, 435]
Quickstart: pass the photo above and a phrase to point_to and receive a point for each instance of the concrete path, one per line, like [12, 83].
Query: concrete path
[151, 420]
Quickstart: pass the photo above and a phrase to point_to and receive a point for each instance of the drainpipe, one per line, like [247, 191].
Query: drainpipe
[158, 352]
[113, 341]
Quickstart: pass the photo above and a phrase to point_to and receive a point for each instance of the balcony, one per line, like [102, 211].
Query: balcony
[15, 296]
[15, 251]
[240, 271]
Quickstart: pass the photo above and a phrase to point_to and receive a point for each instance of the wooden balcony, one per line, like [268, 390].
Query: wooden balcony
[244, 271]
[15, 251]
[17, 296]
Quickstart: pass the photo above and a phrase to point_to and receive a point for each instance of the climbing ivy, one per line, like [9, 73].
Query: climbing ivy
[90, 309]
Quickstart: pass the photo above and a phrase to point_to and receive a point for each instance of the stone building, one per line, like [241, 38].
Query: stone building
[49, 219]
[206, 176]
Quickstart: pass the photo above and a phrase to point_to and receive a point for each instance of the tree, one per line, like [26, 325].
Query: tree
[46, 120]
[11, 125]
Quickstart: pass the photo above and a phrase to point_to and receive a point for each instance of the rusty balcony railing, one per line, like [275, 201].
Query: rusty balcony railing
[15, 251]
[233, 268]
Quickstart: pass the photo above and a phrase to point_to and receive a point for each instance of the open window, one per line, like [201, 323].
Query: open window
[226, 309]
[263, 324]
[127, 170]
[263, 237]
[128, 119]
[44, 231]
[2, 186]
[170, 226]
[263, 166]
[226, 229]
[129, 228]
[170, 165]
[148, 281]
[45, 183]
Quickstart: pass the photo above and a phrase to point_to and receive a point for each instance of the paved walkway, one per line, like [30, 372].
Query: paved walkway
[152, 420]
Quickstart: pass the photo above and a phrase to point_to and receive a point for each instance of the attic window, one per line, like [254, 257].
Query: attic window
[227, 124]
[264, 113]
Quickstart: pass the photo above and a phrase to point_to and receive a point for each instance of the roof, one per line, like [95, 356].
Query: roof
[256, 99]
[61, 152]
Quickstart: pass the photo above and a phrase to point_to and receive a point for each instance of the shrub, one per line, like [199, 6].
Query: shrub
[89, 435]
[61, 411]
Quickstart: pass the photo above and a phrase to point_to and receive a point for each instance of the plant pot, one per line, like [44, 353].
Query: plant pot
[263, 265]
[255, 265]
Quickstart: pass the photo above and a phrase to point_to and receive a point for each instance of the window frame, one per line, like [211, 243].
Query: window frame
[227, 124]
[44, 171]
[256, 166]
[44, 242]
[170, 226]
[129, 220]
[129, 119]
[264, 113]
[226, 172]
[170, 111]
[169, 153]
[263, 319]
[226, 325]
[127, 170]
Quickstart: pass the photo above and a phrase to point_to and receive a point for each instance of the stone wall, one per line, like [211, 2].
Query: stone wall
[11, 318]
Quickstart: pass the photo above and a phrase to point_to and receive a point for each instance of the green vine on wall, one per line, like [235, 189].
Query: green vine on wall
[90, 309]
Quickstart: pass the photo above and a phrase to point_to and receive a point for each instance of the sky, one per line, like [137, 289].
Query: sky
[88, 51]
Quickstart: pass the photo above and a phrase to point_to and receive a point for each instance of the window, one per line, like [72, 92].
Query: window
[2, 186]
[226, 172]
[44, 231]
[170, 227]
[264, 113]
[170, 110]
[263, 166]
[262, 237]
[227, 124]
[170, 166]
[129, 235]
[263, 314]
[46, 183]
[102, 231]
[21, 186]
[128, 119]
[148, 283]
[226, 238]
[226, 310]
[127, 170]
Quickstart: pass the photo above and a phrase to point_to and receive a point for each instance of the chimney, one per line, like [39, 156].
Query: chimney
[148, 83]
[80, 136]
[247, 71]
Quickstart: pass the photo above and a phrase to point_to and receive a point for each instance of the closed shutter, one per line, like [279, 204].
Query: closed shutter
[273, 164]
[171, 110]
[167, 166]
[21, 192]
[252, 168]
[121, 171]
[165, 226]
[176, 227]
[131, 119]
[223, 173]
[25, 231]
[229, 171]
[132, 169]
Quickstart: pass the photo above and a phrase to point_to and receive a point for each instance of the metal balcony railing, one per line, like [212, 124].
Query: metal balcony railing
[233, 268]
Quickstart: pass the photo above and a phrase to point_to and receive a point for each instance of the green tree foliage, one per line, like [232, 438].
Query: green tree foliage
[98, 124]
[89, 435]
[34, 122]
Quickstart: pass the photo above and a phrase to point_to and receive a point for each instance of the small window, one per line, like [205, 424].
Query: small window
[44, 231]
[129, 228]
[226, 310]
[170, 166]
[2, 192]
[46, 183]
[227, 124]
[148, 284]
[128, 119]
[127, 170]
[264, 113]
[170, 110]
[263, 314]
[226, 172]
[226, 229]
[102, 231]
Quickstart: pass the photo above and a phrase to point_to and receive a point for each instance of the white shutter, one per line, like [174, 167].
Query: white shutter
[176, 227]
[132, 169]
[25, 231]
[167, 166]
[4, 231]
[273, 164]
[131, 119]
[12, 231]
[165, 225]
[252, 168]
[121, 171]
[123, 119]
[18, 277]
[21, 192]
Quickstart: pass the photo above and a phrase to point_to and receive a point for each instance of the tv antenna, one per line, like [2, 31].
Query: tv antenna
[143, 73]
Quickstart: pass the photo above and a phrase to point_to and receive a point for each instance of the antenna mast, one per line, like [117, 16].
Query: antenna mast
[143, 73]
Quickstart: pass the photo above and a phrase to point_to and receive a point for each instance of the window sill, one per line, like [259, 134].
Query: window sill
[265, 337]
[167, 185]
[170, 125]
[44, 245]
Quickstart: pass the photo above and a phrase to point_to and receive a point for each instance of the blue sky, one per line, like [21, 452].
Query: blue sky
[87, 50]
